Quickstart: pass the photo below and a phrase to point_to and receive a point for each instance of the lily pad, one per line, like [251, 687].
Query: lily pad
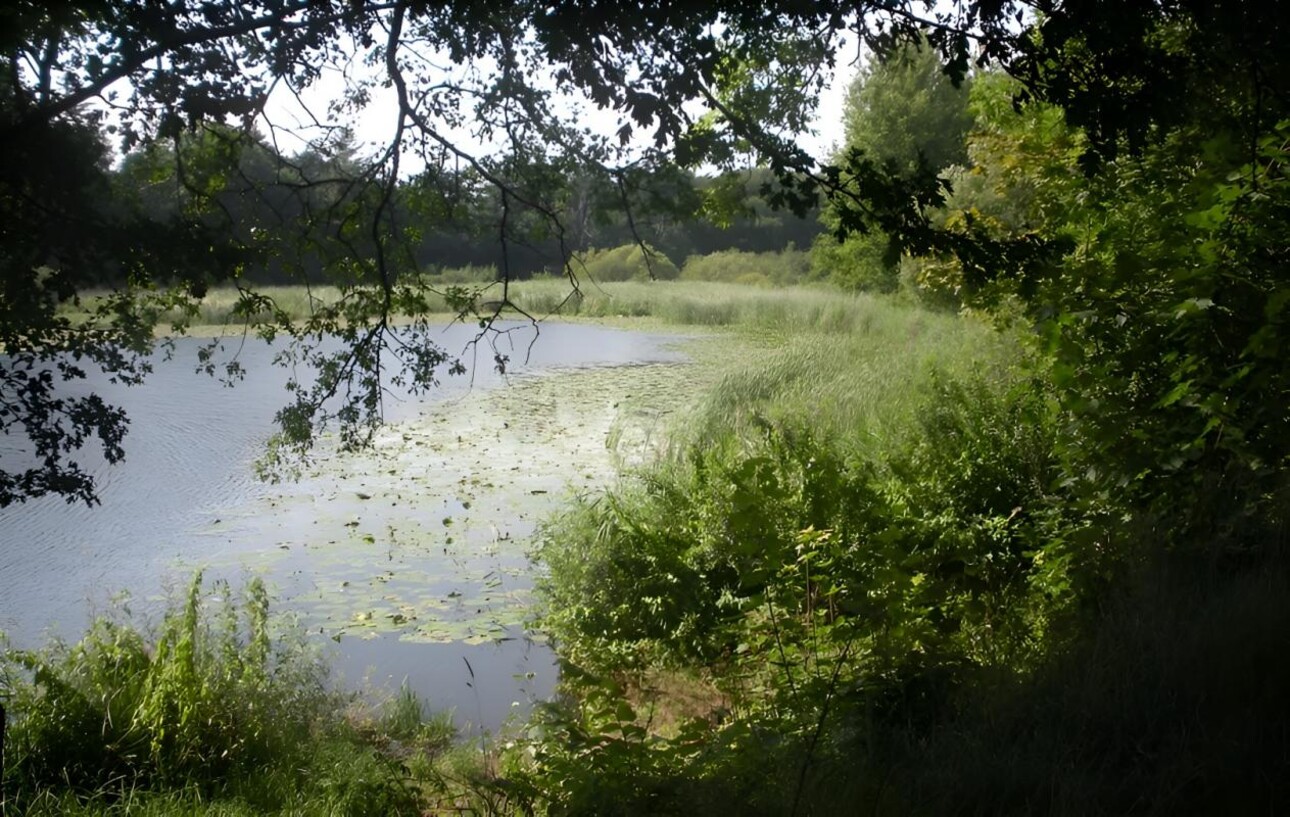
[487, 467]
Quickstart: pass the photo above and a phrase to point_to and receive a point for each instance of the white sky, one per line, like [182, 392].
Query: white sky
[374, 127]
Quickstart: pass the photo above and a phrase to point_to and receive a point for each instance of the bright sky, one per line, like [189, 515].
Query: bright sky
[374, 126]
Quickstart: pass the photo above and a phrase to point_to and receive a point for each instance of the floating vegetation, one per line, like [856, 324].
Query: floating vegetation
[426, 534]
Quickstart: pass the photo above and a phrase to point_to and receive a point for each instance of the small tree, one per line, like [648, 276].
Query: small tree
[903, 112]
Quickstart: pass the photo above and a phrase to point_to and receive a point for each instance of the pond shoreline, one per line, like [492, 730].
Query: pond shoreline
[401, 559]
[419, 546]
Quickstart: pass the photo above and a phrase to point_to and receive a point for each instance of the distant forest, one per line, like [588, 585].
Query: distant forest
[267, 206]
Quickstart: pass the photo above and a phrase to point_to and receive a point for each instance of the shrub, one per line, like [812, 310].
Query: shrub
[782, 268]
[860, 263]
[814, 574]
[627, 263]
[220, 706]
[927, 538]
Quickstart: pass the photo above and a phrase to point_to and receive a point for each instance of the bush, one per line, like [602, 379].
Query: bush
[627, 263]
[220, 706]
[924, 540]
[814, 574]
[861, 263]
[782, 268]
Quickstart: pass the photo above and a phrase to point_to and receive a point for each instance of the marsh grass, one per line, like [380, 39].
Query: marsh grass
[859, 385]
[405, 720]
[676, 303]
[226, 306]
[705, 304]
[709, 304]
[221, 710]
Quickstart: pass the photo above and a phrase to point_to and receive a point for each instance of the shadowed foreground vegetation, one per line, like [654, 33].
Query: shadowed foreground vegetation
[221, 710]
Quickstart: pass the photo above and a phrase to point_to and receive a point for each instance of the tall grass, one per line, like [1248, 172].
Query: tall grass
[677, 303]
[226, 305]
[706, 303]
[220, 711]
[857, 375]
[688, 303]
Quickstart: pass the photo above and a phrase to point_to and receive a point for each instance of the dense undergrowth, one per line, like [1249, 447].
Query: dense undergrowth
[220, 711]
[875, 555]
[844, 530]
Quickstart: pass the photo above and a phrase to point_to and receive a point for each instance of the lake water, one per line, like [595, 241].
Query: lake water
[408, 561]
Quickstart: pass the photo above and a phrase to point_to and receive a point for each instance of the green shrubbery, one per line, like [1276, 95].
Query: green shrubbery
[789, 266]
[882, 557]
[925, 545]
[860, 263]
[221, 712]
[630, 262]
[842, 524]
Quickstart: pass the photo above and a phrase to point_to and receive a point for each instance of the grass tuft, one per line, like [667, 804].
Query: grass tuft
[222, 711]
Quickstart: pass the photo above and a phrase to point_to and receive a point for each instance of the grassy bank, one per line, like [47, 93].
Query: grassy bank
[659, 303]
[868, 575]
[220, 710]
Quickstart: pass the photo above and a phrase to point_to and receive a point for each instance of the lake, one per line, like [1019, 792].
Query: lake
[408, 561]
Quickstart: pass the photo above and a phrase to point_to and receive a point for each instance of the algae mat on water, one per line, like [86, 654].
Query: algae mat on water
[427, 533]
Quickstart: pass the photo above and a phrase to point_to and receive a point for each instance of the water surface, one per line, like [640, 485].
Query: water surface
[409, 559]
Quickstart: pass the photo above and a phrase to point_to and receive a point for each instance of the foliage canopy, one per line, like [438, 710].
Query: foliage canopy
[484, 89]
